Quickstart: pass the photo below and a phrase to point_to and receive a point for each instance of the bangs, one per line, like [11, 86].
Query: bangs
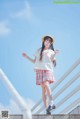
[48, 38]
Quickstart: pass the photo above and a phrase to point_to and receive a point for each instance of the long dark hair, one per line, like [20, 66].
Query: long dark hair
[42, 48]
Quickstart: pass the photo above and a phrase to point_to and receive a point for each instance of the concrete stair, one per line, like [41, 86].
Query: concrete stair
[74, 114]
[57, 116]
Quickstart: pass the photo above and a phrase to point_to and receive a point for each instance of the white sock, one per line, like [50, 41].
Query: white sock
[51, 103]
[50, 100]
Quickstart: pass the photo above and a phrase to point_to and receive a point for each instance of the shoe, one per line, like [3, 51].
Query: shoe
[51, 107]
[48, 112]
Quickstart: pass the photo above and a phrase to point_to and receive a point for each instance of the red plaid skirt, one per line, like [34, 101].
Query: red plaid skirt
[44, 75]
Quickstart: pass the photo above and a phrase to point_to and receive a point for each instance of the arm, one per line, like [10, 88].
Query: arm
[27, 57]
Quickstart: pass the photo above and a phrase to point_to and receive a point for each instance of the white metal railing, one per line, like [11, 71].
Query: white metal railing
[16, 96]
[64, 87]
[72, 105]
[68, 96]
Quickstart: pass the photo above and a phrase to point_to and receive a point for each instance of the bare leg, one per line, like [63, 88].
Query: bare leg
[49, 92]
[44, 96]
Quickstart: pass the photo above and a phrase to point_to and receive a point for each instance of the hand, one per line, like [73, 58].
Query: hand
[24, 55]
[57, 51]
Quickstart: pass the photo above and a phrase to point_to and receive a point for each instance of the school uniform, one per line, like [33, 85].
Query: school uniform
[44, 68]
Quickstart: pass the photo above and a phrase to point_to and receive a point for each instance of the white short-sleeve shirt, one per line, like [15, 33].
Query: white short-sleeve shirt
[47, 57]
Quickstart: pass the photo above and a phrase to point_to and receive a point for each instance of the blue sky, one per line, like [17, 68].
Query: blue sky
[22, 25]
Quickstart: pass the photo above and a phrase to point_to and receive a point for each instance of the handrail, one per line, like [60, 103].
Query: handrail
[59, 81]
[62, 89]
[76, 102]
[68, 96]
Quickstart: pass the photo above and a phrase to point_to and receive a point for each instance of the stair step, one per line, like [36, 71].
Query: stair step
[57, 116]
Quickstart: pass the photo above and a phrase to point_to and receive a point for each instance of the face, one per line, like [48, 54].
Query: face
[47, 44]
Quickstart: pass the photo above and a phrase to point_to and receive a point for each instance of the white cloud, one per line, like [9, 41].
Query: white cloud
[13, 107]
[4, 29]
[27, 14]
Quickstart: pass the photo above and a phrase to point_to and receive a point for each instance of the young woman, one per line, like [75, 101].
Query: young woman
[44, 61]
